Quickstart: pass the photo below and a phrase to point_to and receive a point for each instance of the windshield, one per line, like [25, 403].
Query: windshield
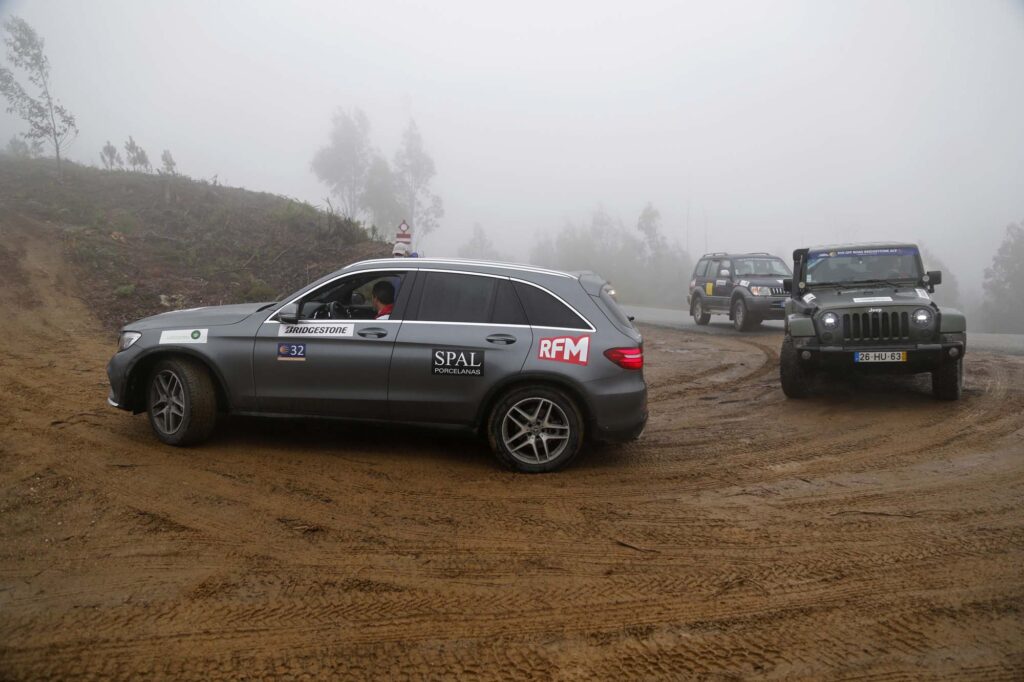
[746, 267]
[859, 265]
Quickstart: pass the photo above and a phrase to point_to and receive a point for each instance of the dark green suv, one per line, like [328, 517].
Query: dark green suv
[745, 286]
[867, 308]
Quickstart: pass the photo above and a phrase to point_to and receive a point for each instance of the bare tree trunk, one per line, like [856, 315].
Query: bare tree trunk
[60, 168]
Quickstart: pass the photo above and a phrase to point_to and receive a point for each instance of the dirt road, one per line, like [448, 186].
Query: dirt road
[870, 532]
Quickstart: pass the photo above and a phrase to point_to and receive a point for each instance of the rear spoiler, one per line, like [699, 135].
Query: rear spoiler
[591, 282]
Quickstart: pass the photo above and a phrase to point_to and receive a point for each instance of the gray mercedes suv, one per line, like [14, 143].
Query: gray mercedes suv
[535, 359]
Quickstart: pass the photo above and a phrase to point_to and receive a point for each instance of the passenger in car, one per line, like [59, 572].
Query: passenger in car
[383, 299]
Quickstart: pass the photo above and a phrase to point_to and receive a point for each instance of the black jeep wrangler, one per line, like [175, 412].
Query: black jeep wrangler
[867, 308]
[745, 286]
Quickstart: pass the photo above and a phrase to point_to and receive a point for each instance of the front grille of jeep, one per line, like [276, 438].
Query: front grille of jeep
[876, 327]
[778, 291]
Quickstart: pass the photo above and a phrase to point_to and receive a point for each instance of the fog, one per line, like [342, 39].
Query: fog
[749, 125]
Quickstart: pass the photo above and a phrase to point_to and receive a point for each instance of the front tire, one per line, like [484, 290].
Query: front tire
[535, 429]
[697, 311]
[948, 380]
[181, 402]
[795, 379]
[742, 320]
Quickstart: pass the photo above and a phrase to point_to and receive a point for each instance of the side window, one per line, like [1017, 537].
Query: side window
[449, 297]
[713, 268]
[702, 267]
[507, 308]
[544, 310]
[350, 297]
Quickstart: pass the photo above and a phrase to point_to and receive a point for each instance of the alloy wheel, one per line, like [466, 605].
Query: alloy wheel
[167, 402]
[535, 430]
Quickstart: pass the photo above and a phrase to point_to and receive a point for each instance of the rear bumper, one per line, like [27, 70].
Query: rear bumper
[618, 408]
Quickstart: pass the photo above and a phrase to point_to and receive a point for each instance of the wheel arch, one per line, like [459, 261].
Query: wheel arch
[533, 379]
[135, 395]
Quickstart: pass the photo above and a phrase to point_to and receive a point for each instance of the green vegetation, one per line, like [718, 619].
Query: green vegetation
[146, 243]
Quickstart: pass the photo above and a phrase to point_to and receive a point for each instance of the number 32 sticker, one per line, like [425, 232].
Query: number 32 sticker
[295, 352]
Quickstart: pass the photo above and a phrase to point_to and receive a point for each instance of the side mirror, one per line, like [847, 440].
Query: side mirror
[289, 314]
[787, 285]
[931, 278]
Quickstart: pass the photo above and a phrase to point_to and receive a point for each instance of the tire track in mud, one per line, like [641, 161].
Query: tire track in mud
[868, 531]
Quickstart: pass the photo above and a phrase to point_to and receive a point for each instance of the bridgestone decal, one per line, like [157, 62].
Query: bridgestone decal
[322, 330]
[457, 362]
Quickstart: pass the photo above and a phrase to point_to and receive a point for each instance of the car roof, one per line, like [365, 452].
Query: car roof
[862, 245]
[751, 254]
[490, 267]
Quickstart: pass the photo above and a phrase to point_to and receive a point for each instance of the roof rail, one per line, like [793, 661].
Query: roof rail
[716, 253]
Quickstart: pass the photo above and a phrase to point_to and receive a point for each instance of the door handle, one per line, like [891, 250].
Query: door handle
[502, 339]
[372, 333]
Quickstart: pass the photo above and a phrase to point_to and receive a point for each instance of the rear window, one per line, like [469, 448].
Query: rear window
[507, 309]
[702, 267]
[457, 298]
[544, 310]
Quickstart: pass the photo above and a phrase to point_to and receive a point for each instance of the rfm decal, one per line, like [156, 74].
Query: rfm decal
[571, 349]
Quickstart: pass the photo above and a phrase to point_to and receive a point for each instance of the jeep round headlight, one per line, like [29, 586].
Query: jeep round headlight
[922, 317]
[761, 291]
[830, 320]
[127, 339]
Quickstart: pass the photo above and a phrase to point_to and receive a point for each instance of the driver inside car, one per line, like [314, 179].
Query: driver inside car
[383, 299]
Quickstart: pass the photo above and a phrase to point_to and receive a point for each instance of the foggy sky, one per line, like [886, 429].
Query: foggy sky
[782, 123]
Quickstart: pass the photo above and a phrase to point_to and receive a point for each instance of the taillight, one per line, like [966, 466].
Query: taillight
[626, 358]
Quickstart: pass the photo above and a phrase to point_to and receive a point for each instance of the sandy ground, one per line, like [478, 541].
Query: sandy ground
[870, 532]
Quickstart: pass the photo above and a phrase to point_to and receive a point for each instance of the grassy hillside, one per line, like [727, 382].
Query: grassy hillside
[143, 244]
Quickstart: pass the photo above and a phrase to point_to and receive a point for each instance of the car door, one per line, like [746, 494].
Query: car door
[721, 276]
[464, 333]
[331, 366]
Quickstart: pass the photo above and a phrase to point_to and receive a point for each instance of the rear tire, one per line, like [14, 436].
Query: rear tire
[181, 401]
[697, 311]
[795, 379]
[535, 429]
[948, 380]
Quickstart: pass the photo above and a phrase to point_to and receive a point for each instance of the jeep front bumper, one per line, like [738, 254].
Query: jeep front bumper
[921, 357]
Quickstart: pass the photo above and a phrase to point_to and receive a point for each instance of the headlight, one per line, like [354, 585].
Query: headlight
[761, 291]
[127, 339]
[830, 320]
[922, 317]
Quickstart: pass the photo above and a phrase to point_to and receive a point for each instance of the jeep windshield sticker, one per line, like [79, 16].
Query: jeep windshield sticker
[183, 336]
[331, 330]
[873, 299]
[457, 362]
[294, 352]
[923, 294]
[572, 349]
[882, 251]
